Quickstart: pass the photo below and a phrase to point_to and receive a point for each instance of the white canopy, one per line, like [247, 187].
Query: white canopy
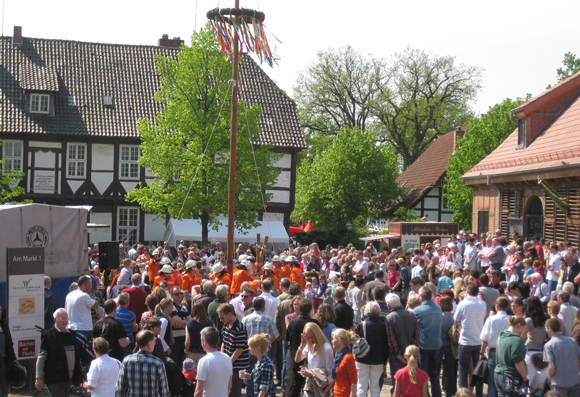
[190, 230]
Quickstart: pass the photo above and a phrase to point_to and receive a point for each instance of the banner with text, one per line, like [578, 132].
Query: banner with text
[25, 269]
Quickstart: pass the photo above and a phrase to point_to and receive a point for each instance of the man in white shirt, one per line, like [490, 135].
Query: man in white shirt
[361, 264]
[470, 254]
[212, 368]
[104, 371]
[553, 273]
[567, 312]
[469, 316]
[493, 326]
[78, 305]
[243, 301]
[417, 270]
[271, 302]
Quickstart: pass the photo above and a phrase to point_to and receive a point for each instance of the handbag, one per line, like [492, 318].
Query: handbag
[454, 337]
[361, 347]
[509, 382]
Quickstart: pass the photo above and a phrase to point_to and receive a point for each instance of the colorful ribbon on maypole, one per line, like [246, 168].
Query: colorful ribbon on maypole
[229, 23]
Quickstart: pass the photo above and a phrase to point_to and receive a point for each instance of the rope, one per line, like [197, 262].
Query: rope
[256, 168]
[202, 156]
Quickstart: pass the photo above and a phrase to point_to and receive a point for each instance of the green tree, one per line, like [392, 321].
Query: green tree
[351, 180]
[571, 66]
[335, 92]
[483, 136]
[9, 182]
[187, 145]
[425, 96]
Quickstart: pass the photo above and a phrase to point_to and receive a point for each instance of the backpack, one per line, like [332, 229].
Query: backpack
[361, 347]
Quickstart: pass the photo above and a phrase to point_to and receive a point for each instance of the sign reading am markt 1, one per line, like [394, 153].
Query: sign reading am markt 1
[25, 270]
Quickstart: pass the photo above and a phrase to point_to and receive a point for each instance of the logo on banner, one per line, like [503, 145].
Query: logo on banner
[26, 306]
[26, 348]
[37, 236]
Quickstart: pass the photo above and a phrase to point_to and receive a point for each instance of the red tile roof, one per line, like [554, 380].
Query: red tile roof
[429, 168]
[557, 147]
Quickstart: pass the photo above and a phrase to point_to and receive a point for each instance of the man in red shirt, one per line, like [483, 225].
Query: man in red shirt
[138, 296]
[538, 247]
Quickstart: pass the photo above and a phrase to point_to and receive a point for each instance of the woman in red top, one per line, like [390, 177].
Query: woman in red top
[344, 375]
[410, 380]
[394, 277]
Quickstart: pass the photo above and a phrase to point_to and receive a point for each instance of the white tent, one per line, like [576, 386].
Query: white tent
[190, 230]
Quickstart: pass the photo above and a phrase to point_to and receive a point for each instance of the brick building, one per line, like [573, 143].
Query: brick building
[544, 147]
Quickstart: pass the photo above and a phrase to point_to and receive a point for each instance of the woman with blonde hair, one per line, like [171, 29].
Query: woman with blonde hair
[317, 350]
[343, 374]
[262, 374]
[163, 313]
[410, 380]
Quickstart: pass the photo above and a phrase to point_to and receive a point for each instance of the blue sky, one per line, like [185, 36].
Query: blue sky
[519, 44]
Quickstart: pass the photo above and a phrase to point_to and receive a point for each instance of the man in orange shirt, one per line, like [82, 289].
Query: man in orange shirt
[220, 275]
[268, 272]
[191, 277]
[240, 275]
[296, 275]
[278, 271]
[286, 267]
[165, 275]
[154, 266]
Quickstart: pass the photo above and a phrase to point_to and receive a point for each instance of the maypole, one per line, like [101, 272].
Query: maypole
[231, 30]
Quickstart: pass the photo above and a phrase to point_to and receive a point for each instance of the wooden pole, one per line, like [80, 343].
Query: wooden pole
[233, 138]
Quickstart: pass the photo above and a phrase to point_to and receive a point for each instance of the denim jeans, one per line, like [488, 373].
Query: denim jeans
[500, 391]
[468, 354]
[552, 284]
[491, 388]
[450, 368]
[430, 362]
[249, 381]
[394, 364]
[573, 391]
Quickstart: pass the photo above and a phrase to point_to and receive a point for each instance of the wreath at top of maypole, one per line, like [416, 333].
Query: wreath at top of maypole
[245, 24]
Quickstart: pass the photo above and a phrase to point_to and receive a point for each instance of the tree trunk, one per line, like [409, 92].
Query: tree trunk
[204, 228]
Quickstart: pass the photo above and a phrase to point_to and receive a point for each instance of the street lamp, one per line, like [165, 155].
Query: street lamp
[348, 229]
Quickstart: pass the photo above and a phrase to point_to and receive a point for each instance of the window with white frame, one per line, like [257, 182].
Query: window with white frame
[39, 103]
[129, 169]
[76, 160]
[128, 224]
[12, 155]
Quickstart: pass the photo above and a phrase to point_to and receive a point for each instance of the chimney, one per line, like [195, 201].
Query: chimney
[165, 41]
[17, 38]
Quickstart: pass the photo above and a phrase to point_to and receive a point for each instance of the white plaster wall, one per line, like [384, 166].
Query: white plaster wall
[129, 186]
[55, 145]
[43, 159]
[273, 216]
[430, 202]
[103, 157]
[284, 162]
[284, 179]
[433, 192]
[279, 196]
[105, 218]
[446, 217]
[101, 180]
[153, 229]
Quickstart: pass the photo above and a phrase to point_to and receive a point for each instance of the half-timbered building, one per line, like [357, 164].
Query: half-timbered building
[69, 112]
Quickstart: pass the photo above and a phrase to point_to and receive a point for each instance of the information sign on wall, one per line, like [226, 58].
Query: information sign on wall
[25, 269]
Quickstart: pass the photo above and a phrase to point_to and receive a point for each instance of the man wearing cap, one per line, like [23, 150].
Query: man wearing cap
[220, 276]
[165, 275]
[154, 265]
[296, 275]
[240, 275]
[190, 278]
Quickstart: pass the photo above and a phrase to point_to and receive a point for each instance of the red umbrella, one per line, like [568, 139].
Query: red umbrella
[309, 227]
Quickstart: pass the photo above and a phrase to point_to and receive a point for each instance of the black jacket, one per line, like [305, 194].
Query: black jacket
[10, 356]
[48, 308]
[344, 315]
[376, 336]
[56, 365]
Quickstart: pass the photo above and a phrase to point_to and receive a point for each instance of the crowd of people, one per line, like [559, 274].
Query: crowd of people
[444, 318]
